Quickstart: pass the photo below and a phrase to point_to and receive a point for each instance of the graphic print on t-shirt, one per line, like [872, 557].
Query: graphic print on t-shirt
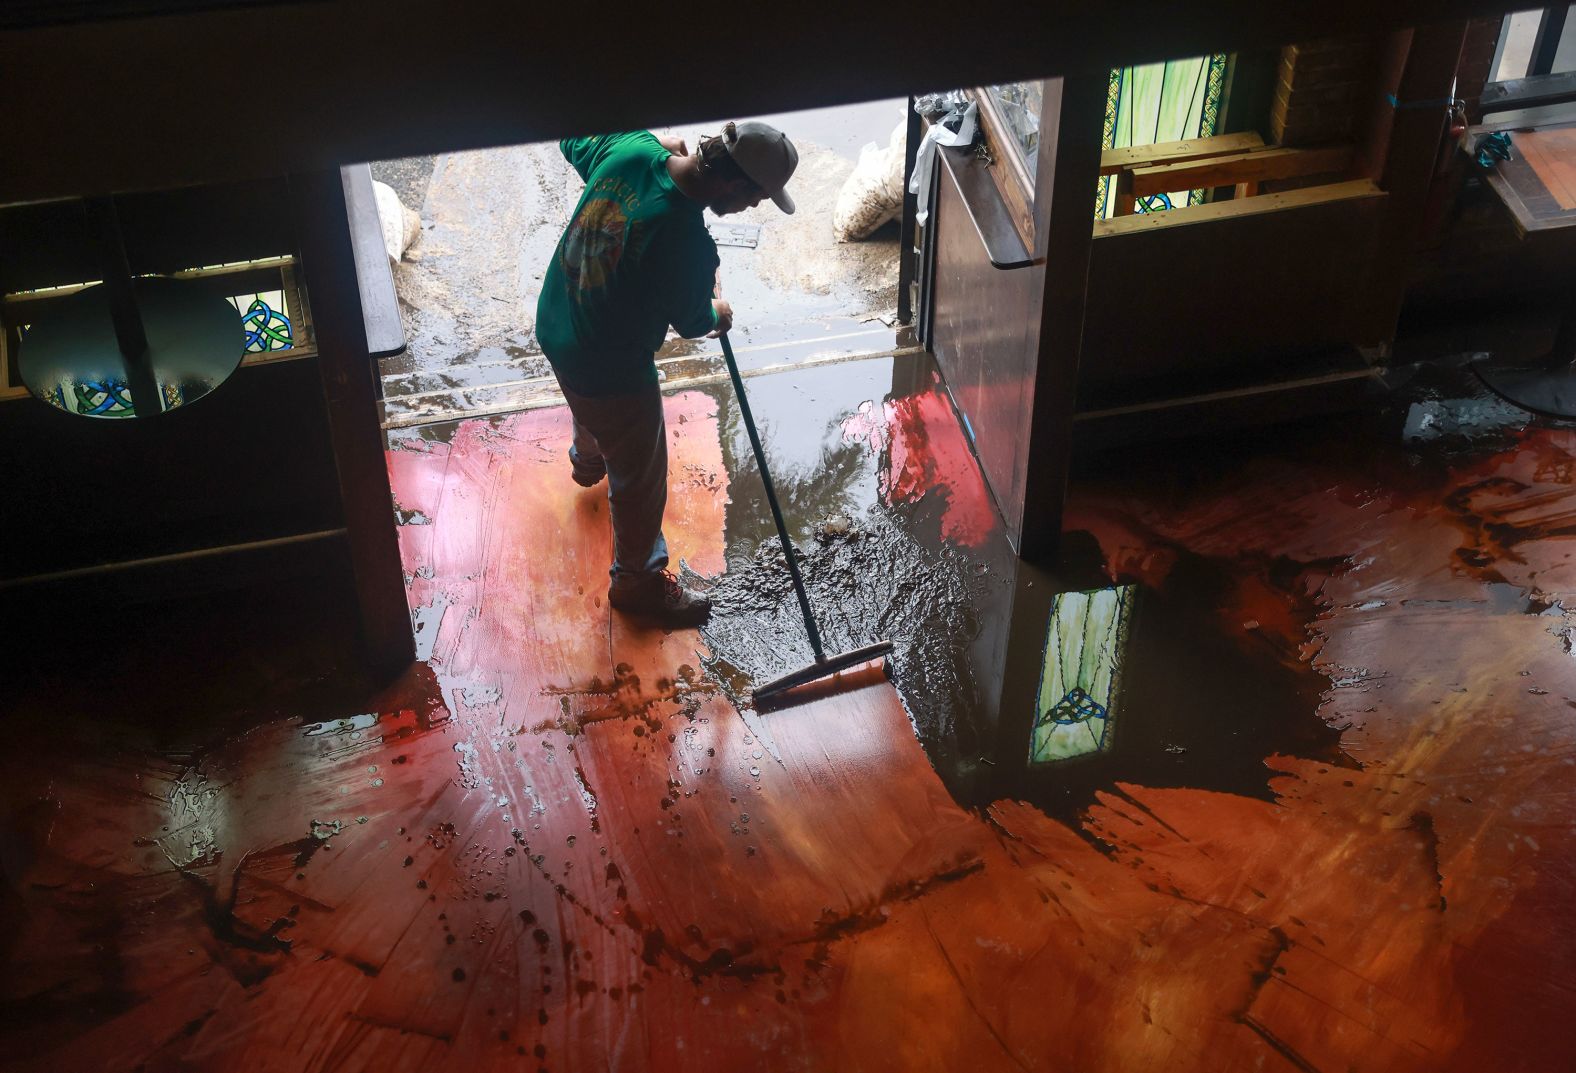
[594, 243]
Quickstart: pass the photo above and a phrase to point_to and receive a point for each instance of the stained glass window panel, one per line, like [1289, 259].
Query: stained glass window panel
[272, 309]
[1161, 102]
[266, 318]
[1084, 645]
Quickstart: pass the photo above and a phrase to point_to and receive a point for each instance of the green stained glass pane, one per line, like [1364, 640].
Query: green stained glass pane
[1084, 644]
[1161, 102]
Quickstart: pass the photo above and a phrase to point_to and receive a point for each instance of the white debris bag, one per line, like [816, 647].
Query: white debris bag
[873, 194]
[937, 136]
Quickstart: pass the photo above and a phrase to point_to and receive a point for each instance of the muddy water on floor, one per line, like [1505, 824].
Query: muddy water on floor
[1207, 693]
[1219, 674]
[876, 566]
[870, 581]
[1213, 680]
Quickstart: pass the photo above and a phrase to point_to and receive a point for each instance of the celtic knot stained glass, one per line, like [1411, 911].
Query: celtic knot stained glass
[107, 398]
[1079, 681]
[266, 318]
[263, 293]
[95, 398]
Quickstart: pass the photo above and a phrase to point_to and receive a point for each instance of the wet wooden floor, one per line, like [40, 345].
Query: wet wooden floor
[556, 846]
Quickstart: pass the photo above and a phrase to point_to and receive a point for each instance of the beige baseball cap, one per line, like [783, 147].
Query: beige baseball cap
[765, 154]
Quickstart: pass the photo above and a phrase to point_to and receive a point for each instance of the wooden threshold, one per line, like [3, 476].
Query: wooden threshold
[549, 394]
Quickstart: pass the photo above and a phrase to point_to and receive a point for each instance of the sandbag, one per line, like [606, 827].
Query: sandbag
[873, 194]
[401, 225]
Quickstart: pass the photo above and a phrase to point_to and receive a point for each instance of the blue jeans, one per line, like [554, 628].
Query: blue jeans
[629, 435]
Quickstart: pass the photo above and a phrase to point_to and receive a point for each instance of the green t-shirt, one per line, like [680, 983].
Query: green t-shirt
[635, 258]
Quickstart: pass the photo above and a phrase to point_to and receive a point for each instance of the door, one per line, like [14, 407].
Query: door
[1010, 235]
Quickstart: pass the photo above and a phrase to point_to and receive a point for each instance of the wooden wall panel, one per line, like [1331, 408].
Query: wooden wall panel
[251, 462]
[47, 244]
[1183, 310]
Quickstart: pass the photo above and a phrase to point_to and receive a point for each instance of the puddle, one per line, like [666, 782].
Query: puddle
[1462, 419]
[873, 581]
[875, 563]
[1206, 695]
[817, 472]
[354, 725]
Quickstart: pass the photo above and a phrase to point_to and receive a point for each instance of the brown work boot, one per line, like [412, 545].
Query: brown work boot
[661, 598]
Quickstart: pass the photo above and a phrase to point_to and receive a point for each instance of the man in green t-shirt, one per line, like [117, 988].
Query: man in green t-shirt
[635, 259]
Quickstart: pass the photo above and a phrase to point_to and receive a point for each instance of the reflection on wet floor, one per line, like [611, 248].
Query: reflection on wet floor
[883, 558]
[1205, 691]
[850, 446]
[1331, 821]
[1086, 641]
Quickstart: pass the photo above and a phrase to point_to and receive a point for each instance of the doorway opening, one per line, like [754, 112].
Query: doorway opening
[483, 225]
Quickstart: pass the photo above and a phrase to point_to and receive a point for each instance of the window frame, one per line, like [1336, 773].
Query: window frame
[1008, 169]
[267, 273]
[1552, 27]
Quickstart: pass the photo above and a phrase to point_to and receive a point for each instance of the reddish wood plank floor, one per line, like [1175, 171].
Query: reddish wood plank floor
[1550, 153]
[556, 846]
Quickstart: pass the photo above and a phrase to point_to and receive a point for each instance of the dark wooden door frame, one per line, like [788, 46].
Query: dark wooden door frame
[328, 261]
[1404, 145]
[908, 230]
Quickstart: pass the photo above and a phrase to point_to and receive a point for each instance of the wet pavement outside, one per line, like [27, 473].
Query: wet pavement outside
[1335, 821]
[491, 219]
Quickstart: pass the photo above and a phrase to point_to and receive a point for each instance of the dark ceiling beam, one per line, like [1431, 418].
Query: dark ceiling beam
[233, 92]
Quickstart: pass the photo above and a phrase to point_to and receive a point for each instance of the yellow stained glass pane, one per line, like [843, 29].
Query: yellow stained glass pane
[1085, 641]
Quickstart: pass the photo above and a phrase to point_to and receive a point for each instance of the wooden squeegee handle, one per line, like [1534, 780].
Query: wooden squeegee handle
[771, 499]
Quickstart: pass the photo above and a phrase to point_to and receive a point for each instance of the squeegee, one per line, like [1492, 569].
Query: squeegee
[824, 665]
